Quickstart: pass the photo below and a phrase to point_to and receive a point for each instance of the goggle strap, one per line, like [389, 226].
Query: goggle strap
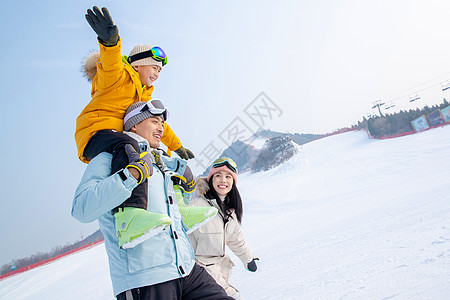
[131, 114]
[140, 55]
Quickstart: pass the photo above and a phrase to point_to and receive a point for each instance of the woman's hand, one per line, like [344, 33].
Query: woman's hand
[251, 266]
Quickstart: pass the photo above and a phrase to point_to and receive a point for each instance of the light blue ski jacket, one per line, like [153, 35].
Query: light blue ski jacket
[166, 256]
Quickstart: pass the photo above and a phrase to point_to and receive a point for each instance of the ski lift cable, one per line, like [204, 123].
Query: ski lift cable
[392, 101]
[417, 91]
[417, 85]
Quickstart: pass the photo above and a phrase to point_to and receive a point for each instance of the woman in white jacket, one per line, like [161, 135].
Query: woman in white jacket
[219, 190]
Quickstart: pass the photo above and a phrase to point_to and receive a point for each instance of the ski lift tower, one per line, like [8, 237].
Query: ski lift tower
[377, 104]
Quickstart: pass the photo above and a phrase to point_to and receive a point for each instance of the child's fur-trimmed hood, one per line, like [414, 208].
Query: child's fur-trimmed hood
[89, 66]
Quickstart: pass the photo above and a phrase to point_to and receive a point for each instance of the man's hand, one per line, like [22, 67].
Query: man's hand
[184, 153]
[103, 25]
[140, 162]
[186, 182]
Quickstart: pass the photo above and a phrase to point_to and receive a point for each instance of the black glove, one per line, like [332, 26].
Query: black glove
[141, 162]
[103, 25]
[251, 266]
[184, 153]
[186, 182]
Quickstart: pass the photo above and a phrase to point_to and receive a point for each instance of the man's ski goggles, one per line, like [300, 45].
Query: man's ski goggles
[155, 107]
[156, 53]
[225, 161]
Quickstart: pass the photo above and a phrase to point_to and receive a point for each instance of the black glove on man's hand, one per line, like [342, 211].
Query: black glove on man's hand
[184, 153]
[251, 266]
[186, 182]
[141, 162]
[103, 25]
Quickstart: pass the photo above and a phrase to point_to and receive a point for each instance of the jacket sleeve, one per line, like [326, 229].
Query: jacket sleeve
[174, 164]
[110, 68]
[237, 244]
[99, 192]
[178, 166]
[170, 139]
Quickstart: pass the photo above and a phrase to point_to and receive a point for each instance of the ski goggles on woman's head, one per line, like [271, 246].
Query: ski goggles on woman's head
[155, 107]
[225, 161]
[156, 53]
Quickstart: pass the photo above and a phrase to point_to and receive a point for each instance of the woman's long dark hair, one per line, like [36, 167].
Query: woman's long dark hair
[232, 200]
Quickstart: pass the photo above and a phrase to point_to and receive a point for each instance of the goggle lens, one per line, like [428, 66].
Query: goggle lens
[159, 55]
[158, 52]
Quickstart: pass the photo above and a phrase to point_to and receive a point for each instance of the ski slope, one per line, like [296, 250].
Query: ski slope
[346, 218]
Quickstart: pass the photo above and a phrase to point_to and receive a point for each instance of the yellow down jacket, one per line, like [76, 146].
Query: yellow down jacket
[115, 86]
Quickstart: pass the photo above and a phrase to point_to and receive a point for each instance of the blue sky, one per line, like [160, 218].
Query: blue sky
[322, 63]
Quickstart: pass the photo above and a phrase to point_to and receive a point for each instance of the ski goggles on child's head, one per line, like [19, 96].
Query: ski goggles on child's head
[156, 53]
[155, 107]
[225, 161]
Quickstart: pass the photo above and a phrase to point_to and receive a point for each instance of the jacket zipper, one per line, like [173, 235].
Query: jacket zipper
[224, 224]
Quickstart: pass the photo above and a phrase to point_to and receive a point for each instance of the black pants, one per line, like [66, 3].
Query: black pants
[114, 142]
[196, 286]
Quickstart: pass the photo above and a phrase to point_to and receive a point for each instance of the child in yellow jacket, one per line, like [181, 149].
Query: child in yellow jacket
[117, 82]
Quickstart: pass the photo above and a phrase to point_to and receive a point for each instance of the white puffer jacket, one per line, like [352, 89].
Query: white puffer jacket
[210, 239]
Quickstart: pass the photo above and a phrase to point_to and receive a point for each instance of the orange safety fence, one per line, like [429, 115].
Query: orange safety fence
[46, 261]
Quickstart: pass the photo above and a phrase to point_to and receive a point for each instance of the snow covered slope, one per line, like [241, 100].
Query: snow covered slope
[346, 218]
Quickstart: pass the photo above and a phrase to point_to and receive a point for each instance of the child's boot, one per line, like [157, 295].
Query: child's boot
[136, 225]
[193, 216]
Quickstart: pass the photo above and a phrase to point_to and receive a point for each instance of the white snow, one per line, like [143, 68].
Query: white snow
[346, 218]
